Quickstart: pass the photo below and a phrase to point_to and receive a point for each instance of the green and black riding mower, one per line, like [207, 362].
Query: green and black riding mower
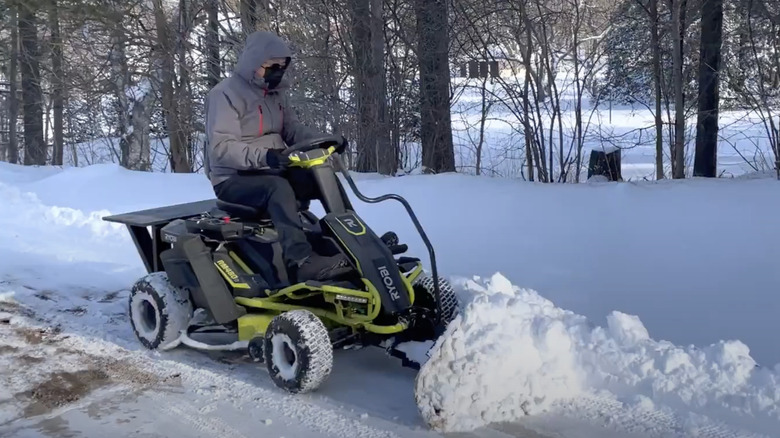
[217, 268]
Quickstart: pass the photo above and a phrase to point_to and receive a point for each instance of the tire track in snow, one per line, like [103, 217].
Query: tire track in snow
[612, 414]
[186, 413]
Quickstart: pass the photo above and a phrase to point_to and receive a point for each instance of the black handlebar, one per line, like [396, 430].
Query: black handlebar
[313, 143]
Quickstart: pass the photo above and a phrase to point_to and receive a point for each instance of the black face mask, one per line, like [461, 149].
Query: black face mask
[273, 75]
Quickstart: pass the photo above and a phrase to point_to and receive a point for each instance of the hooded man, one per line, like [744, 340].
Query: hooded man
[248, 124]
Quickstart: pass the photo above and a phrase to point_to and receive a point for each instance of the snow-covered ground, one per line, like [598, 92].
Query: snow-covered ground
[651, 310]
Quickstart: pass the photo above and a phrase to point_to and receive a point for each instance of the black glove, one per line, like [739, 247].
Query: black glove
[276, 160]
[343, 145]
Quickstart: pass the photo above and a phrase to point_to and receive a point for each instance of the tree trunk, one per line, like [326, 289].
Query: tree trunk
[248, 12]
[484, 111]
[387, 163]
[743, 45]
[13, 98]
[366, 104]
[706, 159]
[183, 100]
[212, 44]
[3, 123]
[32, 96]
[58, 87]
[395, 113]
[579, 92]
[176, 135]
[678, 169]
[120, 81]
[438, 154]
[527, 131]
[659, 124]
[138, 141]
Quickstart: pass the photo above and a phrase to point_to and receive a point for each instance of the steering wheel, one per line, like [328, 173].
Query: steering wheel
[312, 144]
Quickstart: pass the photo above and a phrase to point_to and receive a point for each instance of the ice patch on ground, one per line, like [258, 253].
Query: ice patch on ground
[513, 354]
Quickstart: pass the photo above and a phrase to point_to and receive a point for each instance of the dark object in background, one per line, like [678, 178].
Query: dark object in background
[605, 162]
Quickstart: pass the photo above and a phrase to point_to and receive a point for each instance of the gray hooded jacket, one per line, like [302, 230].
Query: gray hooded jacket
[244, 119]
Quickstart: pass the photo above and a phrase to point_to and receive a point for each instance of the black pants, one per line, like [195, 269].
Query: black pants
[278, 196]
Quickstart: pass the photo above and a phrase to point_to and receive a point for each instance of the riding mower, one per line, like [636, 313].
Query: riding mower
[217, 268]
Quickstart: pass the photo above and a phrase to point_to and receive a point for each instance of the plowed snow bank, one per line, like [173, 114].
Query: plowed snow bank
[512, 353]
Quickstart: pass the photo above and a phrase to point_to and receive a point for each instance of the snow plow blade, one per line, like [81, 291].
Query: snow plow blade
[415, 346]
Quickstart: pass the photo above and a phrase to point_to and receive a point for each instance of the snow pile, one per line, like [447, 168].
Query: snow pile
[513, 354]
[64, 217]
[74, 233]
[508, 354]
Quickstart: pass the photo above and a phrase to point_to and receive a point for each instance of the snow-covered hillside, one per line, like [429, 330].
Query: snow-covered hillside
[651, 310]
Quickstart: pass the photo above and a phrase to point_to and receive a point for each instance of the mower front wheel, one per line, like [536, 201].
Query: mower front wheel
[425, 295]
[158, 311]
[298, 352]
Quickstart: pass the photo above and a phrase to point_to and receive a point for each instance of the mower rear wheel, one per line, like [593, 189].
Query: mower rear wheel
[298, 352]
[158, 311]
[425, 296]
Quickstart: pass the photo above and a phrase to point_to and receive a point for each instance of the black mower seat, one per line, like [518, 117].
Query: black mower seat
[248, 212]
[241, 210]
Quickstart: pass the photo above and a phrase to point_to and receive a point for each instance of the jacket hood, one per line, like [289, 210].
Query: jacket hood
[261, 46]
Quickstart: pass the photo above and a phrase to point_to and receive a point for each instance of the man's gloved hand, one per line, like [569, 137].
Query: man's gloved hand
[343, 145]
[276, 160]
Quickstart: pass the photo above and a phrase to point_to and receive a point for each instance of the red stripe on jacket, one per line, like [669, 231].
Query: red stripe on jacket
[260, 110]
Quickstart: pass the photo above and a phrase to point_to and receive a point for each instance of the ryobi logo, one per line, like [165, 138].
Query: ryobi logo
[352, 224]
[226, 269]
[389, 283]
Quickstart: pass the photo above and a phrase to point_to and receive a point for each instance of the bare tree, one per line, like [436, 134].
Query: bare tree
[678, 8]
[253, 15]
[133, 99]
[171, 103]
[374, 150]
[438, 154]
[58, 83]
[705, 163]
[655, 42]
[403, 89]
[213, 69]
[651, 10]
[32, 95]
[387, 163]
[362, 55]
[13, 98]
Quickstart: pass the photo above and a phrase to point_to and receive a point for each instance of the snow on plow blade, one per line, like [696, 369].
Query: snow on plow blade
[511, 353]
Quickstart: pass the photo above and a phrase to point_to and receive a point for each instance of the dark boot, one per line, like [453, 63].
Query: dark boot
[320, 268]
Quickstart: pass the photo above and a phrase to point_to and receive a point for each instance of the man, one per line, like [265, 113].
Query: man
[248, 125]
